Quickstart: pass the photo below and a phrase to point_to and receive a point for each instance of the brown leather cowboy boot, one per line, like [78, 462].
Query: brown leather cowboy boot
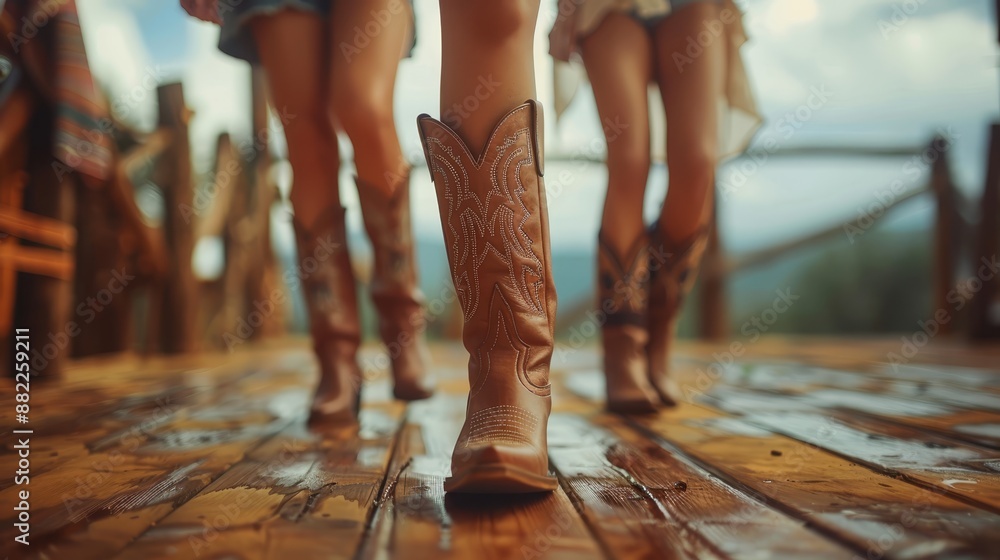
[671, 280]
[394, 287]
[623, 295]
[331, 299]
[495, 223]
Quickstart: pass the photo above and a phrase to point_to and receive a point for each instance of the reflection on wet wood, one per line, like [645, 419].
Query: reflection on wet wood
[950, 401]
[116, 487]
[876, 514]
[977, 392]
[645, 502]
[952, 467]
[88, 419]
[417, 519]
[308, 492]
[860, 354]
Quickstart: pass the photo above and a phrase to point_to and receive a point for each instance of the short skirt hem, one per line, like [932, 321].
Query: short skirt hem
[236, 38]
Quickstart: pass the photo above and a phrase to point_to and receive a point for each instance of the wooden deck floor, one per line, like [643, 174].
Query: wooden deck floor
[799, 448]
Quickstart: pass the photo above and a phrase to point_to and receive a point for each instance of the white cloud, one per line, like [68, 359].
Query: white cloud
[944, 60]
[118, 59]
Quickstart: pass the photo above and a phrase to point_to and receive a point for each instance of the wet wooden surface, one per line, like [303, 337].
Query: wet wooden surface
[798, 448]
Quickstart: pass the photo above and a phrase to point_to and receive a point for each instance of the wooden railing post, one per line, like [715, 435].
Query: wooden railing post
[101, 255]
[713, 322]
[945, 228]
[13, 178]
[260, 279]
[235, 236]
[179, 305]
[981, 323]
[44, 302]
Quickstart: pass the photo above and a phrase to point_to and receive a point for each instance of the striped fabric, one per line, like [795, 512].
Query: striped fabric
[81, 139]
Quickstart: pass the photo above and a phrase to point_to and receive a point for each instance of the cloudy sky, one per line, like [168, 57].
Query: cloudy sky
[897, 68]
[898, 71]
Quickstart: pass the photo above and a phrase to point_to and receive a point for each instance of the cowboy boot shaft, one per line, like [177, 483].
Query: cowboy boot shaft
[623, 283]
[394, 283]
[327, 278]
[388, 224]
[673, 277]
[493, 213]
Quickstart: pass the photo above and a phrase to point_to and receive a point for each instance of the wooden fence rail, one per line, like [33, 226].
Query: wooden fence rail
[953, 232]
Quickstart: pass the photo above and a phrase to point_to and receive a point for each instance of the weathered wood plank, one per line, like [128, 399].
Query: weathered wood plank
[979, 390]
[878, 515]
[93, 505]
[919, 403]
[645, 502]
[964, 471]
[305, 492]
[100, 381]
[417, 520]
[80, 418]
[854, 353]
[979, 427]
[126, 421]
[875, 514]
[975, 378]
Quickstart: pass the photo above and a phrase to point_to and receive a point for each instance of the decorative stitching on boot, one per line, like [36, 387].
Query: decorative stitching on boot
[501, 424]
[470, 249]
[502, 319]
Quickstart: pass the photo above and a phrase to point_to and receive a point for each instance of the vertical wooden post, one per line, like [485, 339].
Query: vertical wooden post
[713, 321]
[13, 178]
[234, 234]
[100, 254]
[261, 158]
[996, 12]
[261, 271]
[254, 282]
[981, 323]
[945, 224]
[179, 305]
[43, 303]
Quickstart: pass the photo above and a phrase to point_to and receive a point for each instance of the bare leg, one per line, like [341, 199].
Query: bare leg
[292, 46]
[690, 94]
[618, 57]
[361, 84]
[487, 63]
